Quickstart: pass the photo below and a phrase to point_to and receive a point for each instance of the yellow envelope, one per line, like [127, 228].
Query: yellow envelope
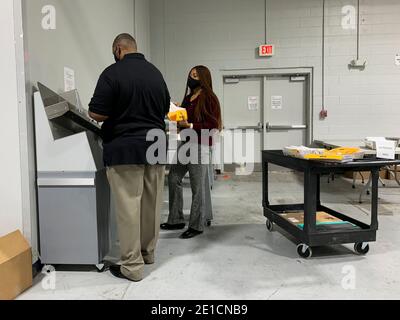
[176, 116]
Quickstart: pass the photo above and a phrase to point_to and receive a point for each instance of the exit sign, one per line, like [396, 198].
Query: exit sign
[267, 50]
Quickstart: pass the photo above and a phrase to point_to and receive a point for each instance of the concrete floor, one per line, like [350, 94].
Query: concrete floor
[237, 258]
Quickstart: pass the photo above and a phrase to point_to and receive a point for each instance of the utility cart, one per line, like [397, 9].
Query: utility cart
[302, 220]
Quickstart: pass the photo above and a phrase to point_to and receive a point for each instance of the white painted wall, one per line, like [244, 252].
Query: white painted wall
[82, 40]
[142, 26]
[10, 181]
[224, 34]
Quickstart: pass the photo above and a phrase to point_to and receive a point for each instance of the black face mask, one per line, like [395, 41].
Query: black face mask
[193, 83]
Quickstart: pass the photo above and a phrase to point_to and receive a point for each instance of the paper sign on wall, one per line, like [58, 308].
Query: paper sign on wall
[277, 102]
[69, 79]
[386, 149]
[253, 103]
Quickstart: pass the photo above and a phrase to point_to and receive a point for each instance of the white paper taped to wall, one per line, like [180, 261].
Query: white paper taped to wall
[69, 79]
[253, 103]
[277, 102]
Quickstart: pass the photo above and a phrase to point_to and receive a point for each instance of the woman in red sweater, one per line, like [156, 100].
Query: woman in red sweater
[204, 117]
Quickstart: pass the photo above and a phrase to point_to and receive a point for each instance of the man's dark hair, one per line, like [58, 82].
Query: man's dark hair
[126, 41]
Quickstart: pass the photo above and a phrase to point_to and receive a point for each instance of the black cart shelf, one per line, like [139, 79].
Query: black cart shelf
[312, 234]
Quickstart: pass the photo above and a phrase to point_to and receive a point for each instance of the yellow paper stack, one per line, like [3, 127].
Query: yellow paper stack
[338, 155]
[179, 115]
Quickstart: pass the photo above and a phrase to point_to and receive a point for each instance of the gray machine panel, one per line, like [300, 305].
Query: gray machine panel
[66, 114]
[70, 179]
[103, 202]
[73, 219]
[73, 191]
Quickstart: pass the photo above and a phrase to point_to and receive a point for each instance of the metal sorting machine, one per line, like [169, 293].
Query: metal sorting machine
[343, 229]
[73, 192]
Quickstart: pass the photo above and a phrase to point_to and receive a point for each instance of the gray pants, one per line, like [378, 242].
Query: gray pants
[201, 209]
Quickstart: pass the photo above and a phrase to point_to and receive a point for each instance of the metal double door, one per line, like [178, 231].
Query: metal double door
[274, 107]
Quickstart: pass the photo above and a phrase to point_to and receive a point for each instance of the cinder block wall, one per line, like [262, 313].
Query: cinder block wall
[224, 34]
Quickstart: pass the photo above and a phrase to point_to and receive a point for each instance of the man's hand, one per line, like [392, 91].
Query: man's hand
[97, 117]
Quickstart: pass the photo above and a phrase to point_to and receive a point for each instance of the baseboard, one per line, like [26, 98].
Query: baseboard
[37, 268]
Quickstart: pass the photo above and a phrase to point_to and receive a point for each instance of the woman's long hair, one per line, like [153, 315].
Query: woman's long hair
[206, 97]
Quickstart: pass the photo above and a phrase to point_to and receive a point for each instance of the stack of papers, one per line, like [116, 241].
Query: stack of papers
[302, 152]
[372, 142]
[331, 158]
[322, 219]
[336, 155]
[340, 155]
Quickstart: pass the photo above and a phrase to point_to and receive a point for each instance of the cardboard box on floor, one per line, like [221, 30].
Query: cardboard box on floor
[383, 174]
[396, 171]
[15, 265]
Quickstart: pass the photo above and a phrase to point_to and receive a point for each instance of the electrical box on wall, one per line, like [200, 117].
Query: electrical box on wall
[358, 64]
[266, 50]
[323, 114]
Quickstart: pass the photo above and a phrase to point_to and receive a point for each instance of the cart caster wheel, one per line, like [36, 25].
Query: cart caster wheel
[361, 248]
[209, 223]
[354, 187]
[101, 268]
[304, 251]
[368, 192]
[270, 225]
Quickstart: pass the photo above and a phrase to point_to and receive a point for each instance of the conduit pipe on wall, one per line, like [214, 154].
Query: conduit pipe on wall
[324, 113]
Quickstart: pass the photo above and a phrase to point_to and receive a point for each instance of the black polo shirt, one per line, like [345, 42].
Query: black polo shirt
[135, 97]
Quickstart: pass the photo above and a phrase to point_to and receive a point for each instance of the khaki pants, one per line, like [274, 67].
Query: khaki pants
[138, 194]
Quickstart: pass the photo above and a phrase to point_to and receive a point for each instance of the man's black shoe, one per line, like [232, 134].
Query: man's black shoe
[116, 272]
[167, 226]
[190, 233]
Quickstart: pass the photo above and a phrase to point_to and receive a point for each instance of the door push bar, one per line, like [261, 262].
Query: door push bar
[259, 127]
[270, 127]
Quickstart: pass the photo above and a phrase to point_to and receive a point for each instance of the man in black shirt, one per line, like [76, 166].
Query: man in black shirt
[131, 99]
